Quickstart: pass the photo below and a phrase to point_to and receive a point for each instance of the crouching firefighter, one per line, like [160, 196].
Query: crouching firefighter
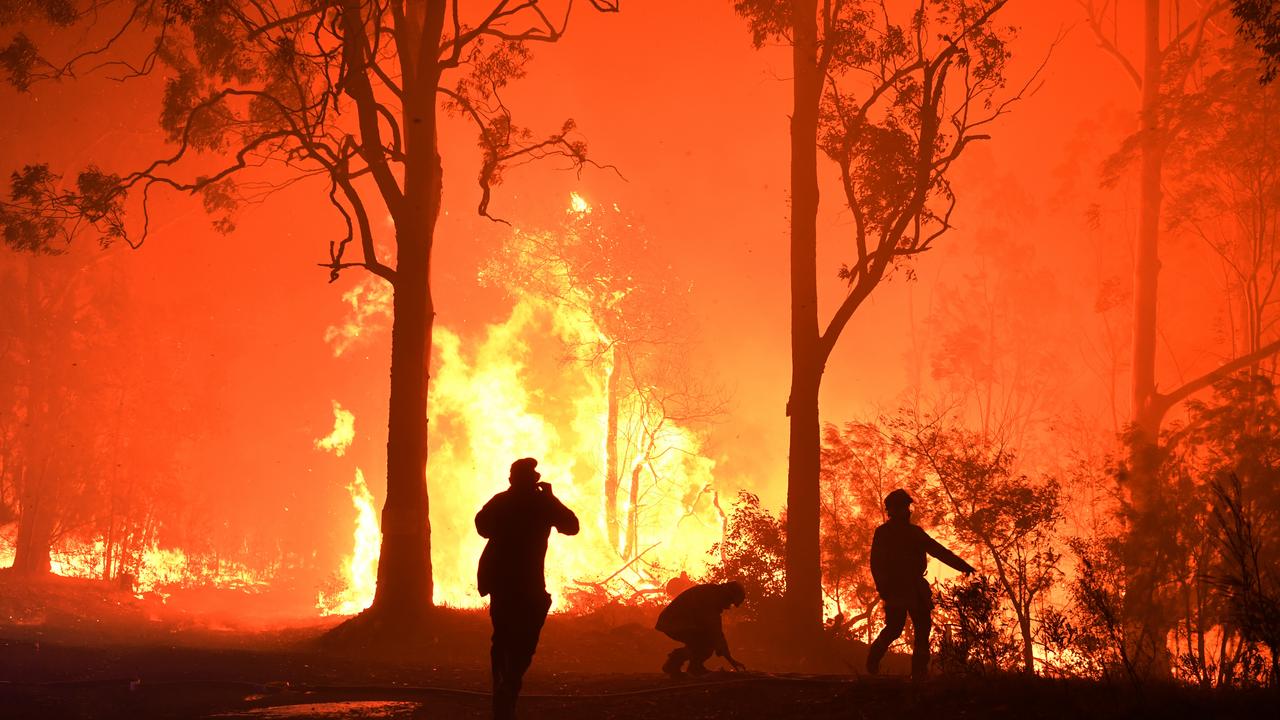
[693, 618]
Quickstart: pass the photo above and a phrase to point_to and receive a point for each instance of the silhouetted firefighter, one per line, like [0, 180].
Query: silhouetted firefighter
[693, 618]
[517, 523]
[898, 564]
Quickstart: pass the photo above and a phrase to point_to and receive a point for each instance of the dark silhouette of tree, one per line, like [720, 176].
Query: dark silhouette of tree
[346, 94]
[1009, 518]
[975, 637]
[1224, 468]
[1097, 635]
[55, 448]
[1248, 578]
[752, 553]
[1260, 25]
[860, 466]
[892, 100]
[1165, 84]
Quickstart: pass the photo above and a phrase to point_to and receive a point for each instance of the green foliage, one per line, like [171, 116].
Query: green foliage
[753, 552]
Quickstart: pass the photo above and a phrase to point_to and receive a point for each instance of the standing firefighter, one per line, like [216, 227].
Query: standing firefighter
[517, 523]
[898, 564]
[693, 618]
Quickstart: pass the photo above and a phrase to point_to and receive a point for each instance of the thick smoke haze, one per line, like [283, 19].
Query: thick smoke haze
[238, 346]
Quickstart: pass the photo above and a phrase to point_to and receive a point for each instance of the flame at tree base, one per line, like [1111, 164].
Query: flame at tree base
[513, 396]
[360, 570]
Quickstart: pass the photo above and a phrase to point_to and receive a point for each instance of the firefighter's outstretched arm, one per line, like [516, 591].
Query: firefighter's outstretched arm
[935, 548]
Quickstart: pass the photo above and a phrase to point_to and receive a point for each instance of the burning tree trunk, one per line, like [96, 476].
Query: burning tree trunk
[612, 480]
[643, 459]
[632, 545]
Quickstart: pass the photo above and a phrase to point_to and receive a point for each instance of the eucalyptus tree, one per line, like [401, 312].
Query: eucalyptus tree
[347, 96]
[892, 95]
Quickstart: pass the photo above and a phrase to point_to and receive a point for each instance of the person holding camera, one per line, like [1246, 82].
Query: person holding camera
[517, 523]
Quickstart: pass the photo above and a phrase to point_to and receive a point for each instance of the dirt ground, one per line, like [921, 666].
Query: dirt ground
[77, 651]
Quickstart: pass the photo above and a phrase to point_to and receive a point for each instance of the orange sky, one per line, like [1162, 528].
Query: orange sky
[695, 119]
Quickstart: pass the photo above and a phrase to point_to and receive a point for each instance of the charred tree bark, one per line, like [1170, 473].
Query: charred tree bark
[803, 560]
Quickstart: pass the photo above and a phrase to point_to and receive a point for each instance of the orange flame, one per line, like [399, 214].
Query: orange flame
[360, 569]
[508, 395]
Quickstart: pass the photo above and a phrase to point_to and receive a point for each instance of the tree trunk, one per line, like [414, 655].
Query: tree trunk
[108, 551]
[35, 535]
[803, 563]
[1147, 622]
[632, 545]
[35, 513]
[611, 479]
[404, 566]
[404, 593]
[1028, 648]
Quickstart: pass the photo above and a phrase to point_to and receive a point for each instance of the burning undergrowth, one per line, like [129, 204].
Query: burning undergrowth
[585, 373]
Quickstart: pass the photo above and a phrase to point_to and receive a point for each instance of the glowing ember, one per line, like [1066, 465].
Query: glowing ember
[578, 204]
